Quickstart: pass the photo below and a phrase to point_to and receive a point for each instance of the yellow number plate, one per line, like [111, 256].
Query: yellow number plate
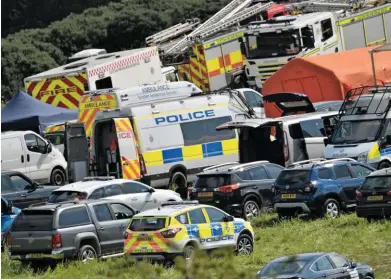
[205, 194]
[288, 196]
[376, 197]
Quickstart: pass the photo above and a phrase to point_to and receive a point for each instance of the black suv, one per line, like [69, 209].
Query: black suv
[319, 186]
[373, 198]
[239, 189]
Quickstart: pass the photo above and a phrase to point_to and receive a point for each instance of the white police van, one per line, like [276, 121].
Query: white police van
[364, 129]
[164, 134]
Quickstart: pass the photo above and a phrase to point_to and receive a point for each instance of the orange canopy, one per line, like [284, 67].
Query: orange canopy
[328, 77]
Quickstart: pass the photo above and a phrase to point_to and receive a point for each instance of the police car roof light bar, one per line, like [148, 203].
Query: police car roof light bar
[214, 167]
[98, 178]
[171, 203]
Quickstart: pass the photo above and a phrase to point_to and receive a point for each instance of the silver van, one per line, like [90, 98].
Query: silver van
[296, 136]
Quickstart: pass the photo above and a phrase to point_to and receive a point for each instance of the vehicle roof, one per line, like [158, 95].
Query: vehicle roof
[52, 206]
[299, 117]
[169, 210]
[231, 169]
[304, 256]
[320, 164]
[381, 172]
[84, 63]
[89, 186]
[16, 132]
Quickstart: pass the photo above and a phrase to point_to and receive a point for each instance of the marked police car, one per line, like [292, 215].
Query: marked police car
[179, 228]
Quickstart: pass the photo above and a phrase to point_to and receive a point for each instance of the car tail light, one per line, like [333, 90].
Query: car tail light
[309, 187]
[227, 189]
[56, 241]
[358, 194]
[82, 196]
[170, 233]
[189, 191]
[126, 234]
[389, 193]
[286, 147]
[9, 241]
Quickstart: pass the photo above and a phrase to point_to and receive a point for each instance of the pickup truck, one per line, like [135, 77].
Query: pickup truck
[81, 230]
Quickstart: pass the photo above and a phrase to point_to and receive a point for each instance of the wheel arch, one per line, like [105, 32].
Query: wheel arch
[177, 168]
[383, 161]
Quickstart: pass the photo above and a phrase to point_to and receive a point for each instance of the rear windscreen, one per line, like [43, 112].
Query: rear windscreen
[59, 196]
[376, 183]
[213, 181]
[33, 220]
[147, 224]
[291, 177]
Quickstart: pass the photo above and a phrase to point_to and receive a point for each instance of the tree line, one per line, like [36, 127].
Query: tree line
[114, 27]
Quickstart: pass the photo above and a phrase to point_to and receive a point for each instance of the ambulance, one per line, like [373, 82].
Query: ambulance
[164, 134]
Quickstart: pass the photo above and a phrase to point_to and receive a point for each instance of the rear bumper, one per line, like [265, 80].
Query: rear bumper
[155, 257]
[54, 255]
[374, 210]
[292, 205]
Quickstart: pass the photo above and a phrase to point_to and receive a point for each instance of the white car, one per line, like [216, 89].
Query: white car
[133, 193]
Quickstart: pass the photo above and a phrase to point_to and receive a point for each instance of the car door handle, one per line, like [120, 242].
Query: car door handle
[121, 226]
[28, 158]
[102, 229]
[23, 195]
[22, 158]
[149, 200]
[134, 198]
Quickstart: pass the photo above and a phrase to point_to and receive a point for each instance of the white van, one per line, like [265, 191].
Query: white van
[297, 136]
[364, 130]
[28, 153]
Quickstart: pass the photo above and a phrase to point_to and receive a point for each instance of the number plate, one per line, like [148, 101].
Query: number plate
[205, 194]
[34, 255]
[144, 238]
[375, 197]
[288, 196]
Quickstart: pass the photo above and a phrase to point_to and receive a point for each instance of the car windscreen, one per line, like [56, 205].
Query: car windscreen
[147, 224]
[283, 268]
[59, 196]
[376, 183]
[293, 177]
[33, 220]
[213, 181]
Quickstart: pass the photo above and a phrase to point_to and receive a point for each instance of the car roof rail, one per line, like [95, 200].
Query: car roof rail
[62, 203]
[336, 160]
[247, 164]
[214, 167]
[38, 204]
[98, 178]
[191, 202]
[302, 162]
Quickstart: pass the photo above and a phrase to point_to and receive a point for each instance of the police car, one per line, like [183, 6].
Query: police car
[179, 228]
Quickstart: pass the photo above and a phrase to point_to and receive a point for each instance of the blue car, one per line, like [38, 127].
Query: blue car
[8, 214]
[315, 266]
[319, 187]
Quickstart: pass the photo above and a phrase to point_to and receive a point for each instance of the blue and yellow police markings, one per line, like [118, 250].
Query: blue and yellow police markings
[238, 226]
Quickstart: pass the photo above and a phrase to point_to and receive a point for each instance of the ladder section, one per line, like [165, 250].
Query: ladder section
[172, 32]
[214, 19]
[239, 8]
[331, 6]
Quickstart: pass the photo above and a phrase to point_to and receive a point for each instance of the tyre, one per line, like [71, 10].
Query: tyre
[86, 253]
[331, 208]
[179, 180]
[58, 177]
[368, 277]
[189, 252]
[251, 209]
[244, 246]
[384, 164]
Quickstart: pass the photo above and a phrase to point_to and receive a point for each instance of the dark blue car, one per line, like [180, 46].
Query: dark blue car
[315, 266]
[319, 187]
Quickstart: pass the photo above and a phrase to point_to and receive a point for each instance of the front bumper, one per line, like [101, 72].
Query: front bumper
[292, 205]
[54, 255]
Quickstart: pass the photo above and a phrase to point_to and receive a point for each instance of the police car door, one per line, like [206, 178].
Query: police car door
[222, 233]
[76, 151]
[127, 145]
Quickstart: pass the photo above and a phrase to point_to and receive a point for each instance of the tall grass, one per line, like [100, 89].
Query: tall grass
[348, 235]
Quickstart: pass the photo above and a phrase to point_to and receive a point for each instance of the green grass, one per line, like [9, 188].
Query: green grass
[348, 235]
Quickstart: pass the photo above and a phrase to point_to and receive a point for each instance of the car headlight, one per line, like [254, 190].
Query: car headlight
[362, 157]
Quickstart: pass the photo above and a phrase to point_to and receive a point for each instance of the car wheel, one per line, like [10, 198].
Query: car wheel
[179, 180]
[251, 209]
[368, 277]
[331, 208]
[189, 252]
[244, 247]
[57, 178]
[86, 253]
[384, 164]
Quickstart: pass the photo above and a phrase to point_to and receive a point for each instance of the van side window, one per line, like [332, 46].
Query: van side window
[313, 128]
[327, 29]
[307, 34]
[35, 144]
[204, 131]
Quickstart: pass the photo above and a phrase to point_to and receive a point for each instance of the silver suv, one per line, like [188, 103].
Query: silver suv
[80, 230]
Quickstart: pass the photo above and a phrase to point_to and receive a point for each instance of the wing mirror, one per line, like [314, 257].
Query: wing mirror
[9, 207]
[48, 148]
[353, 265]
[228, 219]
[151, 190]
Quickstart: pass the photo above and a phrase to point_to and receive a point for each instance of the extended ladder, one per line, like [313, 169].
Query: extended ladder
[214, 19]
[172, 32]
[220, 26]
[332, 6]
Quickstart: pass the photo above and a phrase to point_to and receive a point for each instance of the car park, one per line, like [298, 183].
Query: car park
[21, 190]
[318, 186]
[242, 190]
[315, 266]
[81, 230]
[373, 198]
[8, 214]
[133, 193]
[180, 228]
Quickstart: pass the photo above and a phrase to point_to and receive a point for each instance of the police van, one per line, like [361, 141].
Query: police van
[364, 128]
[164, 134]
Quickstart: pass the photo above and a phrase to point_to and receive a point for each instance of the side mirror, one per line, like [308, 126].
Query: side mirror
[326, 141]
[228, 219]
[387, 140]
[353, 265]
[151, 190]
[48, 148]
[243, 48]
[9, 207]
[240, 40]
[31, 188]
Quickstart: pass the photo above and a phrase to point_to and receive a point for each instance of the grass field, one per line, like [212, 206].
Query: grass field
[348, 235]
